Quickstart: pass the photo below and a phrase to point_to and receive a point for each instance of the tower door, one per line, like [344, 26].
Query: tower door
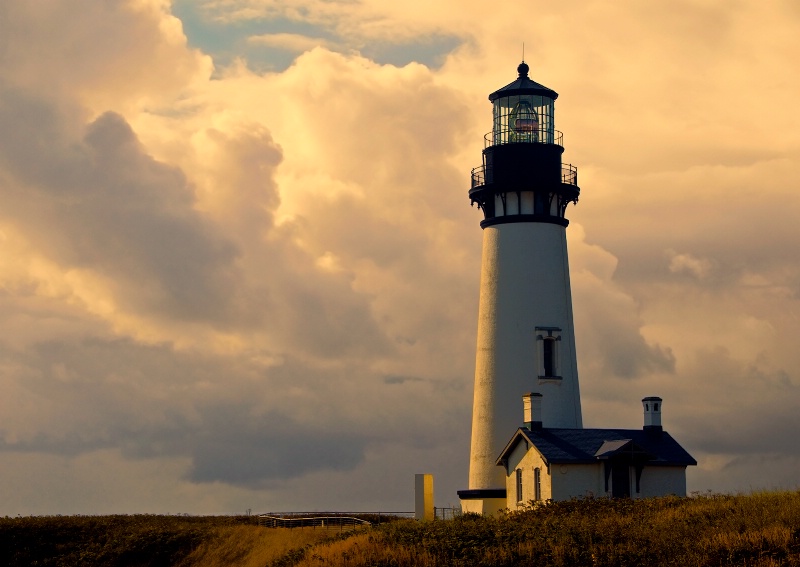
[620, 480]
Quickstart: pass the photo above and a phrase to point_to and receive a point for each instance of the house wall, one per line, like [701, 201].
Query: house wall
[526, 459]
[566, 481]
[661, 481]
[577, 481]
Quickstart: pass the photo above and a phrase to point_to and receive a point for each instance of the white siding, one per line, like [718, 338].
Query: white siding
[564, 482]
[662, 481]
[577, 481]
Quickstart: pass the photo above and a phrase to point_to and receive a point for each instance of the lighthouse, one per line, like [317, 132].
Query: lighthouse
[526, 339]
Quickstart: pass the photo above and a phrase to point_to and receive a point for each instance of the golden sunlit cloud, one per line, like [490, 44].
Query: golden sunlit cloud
[230, 289]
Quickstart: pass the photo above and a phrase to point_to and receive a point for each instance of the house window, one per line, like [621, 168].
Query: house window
[519, 486]
[537, 484]
[547, 343]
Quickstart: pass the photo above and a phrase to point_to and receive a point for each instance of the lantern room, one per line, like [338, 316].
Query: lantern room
[523, 111]
[522, 178]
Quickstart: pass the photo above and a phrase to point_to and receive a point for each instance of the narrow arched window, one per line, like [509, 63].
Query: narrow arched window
[537, 484]
[547, 347]
[549, 356]
[519, 486]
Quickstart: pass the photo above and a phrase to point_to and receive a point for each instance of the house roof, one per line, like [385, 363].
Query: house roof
[583, 446]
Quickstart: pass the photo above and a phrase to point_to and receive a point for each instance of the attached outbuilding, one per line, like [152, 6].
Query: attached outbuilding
[544, 463]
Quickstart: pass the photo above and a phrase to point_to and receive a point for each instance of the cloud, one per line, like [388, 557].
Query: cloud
[413, 31]
[207, 281]
[239, 422]
[608, 320]
[101, 204]
[748, 421]
[289, 41]
[242, 449]
[54, 50]
[686, 263]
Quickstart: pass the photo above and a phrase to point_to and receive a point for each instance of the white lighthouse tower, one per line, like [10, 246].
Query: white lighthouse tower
[526, 340]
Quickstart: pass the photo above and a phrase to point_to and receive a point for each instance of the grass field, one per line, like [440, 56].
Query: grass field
[253, 546]
[153, 541]
[755, 530]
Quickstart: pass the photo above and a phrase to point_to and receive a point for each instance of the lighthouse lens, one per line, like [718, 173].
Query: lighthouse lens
[523, 118]
[524, 123]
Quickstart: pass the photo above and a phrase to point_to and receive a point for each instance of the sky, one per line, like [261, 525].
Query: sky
[239, 269]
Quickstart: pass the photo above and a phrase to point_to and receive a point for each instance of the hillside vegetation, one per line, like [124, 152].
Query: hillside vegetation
[756, 530]
[148, 541]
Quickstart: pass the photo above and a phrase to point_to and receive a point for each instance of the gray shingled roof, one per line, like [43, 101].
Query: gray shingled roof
[582, 445]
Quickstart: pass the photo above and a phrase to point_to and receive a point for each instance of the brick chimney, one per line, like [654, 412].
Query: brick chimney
[532, 410]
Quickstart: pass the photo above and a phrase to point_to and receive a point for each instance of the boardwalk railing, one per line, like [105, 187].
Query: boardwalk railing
[324, 522]
[327, 520]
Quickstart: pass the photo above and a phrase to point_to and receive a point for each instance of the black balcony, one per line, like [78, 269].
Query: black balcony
[483, 175]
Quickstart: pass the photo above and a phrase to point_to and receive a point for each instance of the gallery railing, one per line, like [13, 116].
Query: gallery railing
[483, 175]
[523, 136]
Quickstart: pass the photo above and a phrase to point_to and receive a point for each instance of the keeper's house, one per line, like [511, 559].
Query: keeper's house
[543, 463]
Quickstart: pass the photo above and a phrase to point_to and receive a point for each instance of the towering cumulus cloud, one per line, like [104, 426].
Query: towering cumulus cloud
[238, 266]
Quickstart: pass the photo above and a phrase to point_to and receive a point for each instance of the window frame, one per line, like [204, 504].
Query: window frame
[548, 352]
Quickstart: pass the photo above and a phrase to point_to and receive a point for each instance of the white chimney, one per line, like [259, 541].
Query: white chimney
[532, 410]
[652, 413]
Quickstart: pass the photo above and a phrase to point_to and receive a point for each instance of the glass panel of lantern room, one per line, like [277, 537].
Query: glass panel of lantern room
[500, 124]
[546, 122]
[523, 118]
[503, 108]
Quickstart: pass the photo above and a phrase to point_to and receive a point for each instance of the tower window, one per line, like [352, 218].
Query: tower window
[547, 341]
[519, 485]
[549, 362]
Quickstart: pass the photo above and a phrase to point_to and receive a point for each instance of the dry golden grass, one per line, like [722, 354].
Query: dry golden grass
[362, 550]
[251, 546]
[757, 530]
